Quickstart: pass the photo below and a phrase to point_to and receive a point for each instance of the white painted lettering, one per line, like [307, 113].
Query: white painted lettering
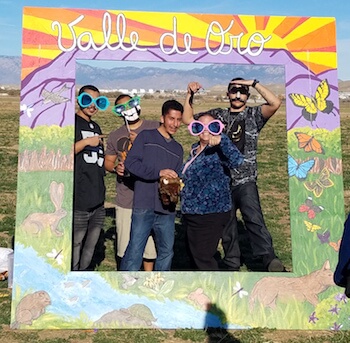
[85, 40]
[216, 30]
[169, 41]
[173, 36]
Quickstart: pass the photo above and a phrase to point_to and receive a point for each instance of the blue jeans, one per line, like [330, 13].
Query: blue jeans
[142, 223]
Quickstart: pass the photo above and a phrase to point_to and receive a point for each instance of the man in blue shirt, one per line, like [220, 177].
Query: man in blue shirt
[154, 154]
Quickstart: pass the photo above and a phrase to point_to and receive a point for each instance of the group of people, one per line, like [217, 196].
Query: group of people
[218, 178]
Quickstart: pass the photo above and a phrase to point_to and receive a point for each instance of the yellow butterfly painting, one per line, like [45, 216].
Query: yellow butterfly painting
[320, 184]
[311, 227]
[311, 105]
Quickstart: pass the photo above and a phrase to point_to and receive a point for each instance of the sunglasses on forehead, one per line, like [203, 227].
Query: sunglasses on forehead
[214, 127]
[85, 100]
[133, 102]
[242, 90]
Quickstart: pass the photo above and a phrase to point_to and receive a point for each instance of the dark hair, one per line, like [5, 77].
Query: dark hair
[211, 113]
[121, 96]
[172, 105]
[235, 79]
[91, 87]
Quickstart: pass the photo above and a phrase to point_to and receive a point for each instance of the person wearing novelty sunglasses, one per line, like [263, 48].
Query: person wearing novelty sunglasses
[243, 124]
[89, 172]
[206, 196]
[118, 145]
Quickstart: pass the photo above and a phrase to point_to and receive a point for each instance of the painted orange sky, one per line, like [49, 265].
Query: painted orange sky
[310, 40]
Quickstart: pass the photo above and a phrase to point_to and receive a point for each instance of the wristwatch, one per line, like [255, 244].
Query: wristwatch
[254, 83]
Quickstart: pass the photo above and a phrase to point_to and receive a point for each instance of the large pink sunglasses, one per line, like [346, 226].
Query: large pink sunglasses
[214, 127]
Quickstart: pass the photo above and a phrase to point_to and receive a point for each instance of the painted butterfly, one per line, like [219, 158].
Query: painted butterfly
[320, 184]
[308, 143]
[311, 227]
[311, 105]
[324, 237]
[310, 208]
[299, 170]
[335, 245]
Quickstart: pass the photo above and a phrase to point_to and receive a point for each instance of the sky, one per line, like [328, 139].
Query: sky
[11, 16]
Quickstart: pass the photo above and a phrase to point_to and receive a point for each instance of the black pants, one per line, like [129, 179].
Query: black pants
[87, 227]
[203, 233]
[246, 198]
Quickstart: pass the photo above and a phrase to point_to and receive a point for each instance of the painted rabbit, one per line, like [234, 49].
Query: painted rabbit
[35, 223]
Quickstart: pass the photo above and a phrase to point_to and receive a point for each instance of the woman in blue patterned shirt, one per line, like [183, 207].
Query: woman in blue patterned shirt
[206, 197]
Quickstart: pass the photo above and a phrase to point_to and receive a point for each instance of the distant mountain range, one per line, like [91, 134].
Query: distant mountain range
[10, 71]
[169, 79]
[151, 77]
[154, 77]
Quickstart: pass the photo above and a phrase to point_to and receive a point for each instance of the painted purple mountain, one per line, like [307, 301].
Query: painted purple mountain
[48, 94]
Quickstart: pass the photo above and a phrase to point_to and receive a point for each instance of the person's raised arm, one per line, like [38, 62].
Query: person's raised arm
[272, 101]
[192, 88]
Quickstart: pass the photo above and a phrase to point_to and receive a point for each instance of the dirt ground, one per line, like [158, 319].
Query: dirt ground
[88, 336]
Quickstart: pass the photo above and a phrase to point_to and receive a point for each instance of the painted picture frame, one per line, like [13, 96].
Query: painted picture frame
[47, 295]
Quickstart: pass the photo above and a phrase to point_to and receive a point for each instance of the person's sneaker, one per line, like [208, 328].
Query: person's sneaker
[276, 266]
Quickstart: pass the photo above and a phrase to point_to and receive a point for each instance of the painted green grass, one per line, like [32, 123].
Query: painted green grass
[275, 202]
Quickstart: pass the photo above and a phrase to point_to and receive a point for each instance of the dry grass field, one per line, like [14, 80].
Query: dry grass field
[273, 186]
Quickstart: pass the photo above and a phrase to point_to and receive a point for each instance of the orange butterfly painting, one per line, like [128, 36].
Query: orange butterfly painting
[335, 245]
[309, 143]
[320, 184]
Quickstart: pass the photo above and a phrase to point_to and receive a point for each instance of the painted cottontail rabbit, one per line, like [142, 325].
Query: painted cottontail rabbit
[37, 222]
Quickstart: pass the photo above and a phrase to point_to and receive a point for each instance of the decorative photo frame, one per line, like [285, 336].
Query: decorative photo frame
[47, 295]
